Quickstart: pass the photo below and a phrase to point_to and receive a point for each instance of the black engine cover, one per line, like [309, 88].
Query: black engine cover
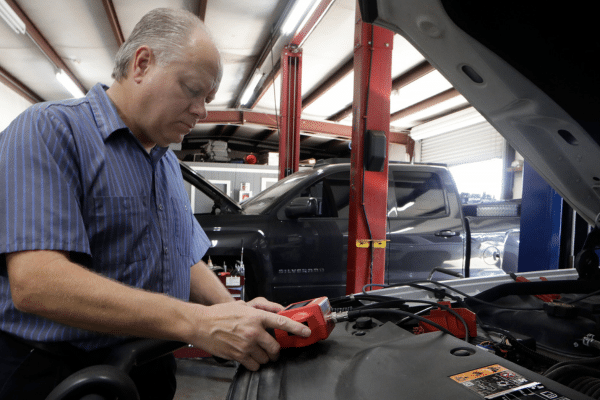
[387, 362]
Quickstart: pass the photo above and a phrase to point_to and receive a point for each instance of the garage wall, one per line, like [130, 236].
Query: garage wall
[229, 177]
[12, 108]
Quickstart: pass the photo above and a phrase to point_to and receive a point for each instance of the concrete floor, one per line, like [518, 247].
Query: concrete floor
[203, 379]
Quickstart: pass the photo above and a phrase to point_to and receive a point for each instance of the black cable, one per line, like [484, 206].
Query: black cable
[358, 313]
[363, 167]
[391, 302]
[585, 296]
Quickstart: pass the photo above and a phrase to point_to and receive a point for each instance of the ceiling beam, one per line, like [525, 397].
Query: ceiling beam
[413, 74]
[425, 104]
[264, 135]
[41, 42]
[403, 80]
[19, 87]
[329, 83]
[340, 115]
[111, 13]
[229, 131]
[270, 121]
[314, 19]
[202, 9]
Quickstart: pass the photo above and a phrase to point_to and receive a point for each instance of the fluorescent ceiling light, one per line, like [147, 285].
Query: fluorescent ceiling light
[68, 83]
[250, 89]
[11, 18]
[299, 12]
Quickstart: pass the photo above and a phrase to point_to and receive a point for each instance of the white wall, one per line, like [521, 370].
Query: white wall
[12, 105]
[398, 152]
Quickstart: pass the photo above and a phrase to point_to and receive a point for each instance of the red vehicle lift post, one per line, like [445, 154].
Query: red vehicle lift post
[291, 108]
[368, 189]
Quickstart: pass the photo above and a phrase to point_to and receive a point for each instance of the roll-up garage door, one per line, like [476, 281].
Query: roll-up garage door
[475, 143]
[461, 138]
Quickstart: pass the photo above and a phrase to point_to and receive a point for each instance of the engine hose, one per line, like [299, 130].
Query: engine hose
[595, 391]
[580, 361]
[591, 387]
[580, 384]
[586, 385]
[374, 311]
[567, 373]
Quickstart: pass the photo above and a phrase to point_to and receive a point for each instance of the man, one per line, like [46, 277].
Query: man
[99, 242]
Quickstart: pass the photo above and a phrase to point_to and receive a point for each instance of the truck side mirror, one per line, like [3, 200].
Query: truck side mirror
[302, 207]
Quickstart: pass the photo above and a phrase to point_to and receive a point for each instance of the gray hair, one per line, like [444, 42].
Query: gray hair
[166, 31]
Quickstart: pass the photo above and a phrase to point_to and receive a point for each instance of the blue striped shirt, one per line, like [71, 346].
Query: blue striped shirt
[74, 178]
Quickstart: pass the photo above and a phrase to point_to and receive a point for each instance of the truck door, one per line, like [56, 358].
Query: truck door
[425, 226]
[310, 254]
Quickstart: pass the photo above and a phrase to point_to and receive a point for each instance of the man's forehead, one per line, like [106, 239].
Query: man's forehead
[202, 51]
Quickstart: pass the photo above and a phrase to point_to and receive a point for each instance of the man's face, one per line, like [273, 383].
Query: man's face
[173, 97]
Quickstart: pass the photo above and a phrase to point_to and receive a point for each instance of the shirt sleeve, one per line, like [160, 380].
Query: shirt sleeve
[39, 176]
[201, 243]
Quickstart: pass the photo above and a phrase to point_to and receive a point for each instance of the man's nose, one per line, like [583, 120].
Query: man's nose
[198, 108]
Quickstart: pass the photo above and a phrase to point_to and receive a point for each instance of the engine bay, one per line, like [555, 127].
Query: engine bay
[516, 340]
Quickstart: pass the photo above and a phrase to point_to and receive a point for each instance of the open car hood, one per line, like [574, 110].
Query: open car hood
[222, 201]
[527, 67]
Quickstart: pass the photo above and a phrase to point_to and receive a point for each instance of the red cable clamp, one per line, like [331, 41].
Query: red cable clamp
[548, 298]
[449, 321]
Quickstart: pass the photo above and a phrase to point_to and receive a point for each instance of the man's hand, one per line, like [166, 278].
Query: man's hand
[237, 331]
[261, 303]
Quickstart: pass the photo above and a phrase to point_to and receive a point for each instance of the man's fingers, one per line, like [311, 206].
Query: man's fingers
[263, 304]
[270, 347]
[287, 324]
[250, 364]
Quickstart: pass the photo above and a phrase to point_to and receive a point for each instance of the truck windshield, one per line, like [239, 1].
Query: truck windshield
[263, 200]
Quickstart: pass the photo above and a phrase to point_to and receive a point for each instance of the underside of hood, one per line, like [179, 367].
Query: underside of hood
[527, 67]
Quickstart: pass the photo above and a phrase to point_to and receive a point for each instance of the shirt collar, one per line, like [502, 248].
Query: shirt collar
[107, 118]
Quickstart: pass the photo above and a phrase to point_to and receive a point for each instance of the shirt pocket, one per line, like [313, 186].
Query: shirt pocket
[120, 230]
[184, 229]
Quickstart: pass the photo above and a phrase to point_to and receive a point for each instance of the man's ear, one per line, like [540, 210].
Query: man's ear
[142, 60]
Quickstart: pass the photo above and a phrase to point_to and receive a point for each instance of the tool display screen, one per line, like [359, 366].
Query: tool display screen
[298, 305]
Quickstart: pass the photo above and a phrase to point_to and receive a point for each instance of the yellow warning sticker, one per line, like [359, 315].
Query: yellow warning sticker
[478, 373]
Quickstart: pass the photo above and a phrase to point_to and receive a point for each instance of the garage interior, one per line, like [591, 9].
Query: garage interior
[267, 112]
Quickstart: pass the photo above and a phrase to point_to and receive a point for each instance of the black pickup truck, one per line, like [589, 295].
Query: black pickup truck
[294, 235]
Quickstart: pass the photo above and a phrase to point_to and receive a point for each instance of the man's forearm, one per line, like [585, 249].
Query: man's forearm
[48, 284]
[206, 288]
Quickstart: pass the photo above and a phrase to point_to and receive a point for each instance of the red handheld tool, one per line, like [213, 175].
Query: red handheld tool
[316, 314]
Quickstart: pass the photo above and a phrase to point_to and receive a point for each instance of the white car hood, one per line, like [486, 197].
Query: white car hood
[554, 122]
